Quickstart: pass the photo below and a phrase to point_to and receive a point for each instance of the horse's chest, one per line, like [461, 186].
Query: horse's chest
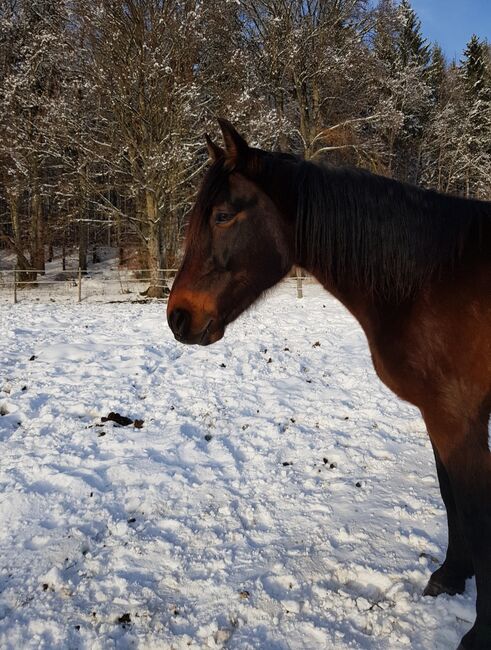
[394, 368]
[388, 377]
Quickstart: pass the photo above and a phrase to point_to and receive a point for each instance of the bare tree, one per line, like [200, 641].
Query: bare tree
[140, 56]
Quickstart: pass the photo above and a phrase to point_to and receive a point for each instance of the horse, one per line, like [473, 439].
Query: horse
[412, 265]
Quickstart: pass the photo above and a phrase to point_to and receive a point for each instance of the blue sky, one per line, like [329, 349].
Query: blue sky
[452, 22]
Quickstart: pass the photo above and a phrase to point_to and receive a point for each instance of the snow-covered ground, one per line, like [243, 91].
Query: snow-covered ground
[276, 497]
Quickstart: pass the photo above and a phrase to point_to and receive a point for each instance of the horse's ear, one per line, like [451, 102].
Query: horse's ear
[236, 148]
[214, 151]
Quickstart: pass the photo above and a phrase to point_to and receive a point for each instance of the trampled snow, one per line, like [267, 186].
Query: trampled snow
[277, 496]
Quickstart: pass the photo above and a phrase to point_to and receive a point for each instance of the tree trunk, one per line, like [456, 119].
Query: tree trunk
[280, 110]
[122, 208]
[37, 231]
[82, 245]
[156, 289]
[22, 261]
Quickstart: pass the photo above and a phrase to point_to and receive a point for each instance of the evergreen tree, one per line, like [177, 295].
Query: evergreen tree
[412, 46]
[405, 91]
[476, 81]
[475, 69]
[436, 72]
[385, 33]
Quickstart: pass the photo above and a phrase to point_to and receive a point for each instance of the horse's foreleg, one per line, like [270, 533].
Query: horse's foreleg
[464, 453]
[474, 507]
[451, 576]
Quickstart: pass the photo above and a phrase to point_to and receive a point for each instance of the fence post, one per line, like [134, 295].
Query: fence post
[79, 284]
[15, 286]
[299, 283]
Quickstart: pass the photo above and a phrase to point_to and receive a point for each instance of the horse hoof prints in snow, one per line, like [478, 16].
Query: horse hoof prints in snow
[413, 266]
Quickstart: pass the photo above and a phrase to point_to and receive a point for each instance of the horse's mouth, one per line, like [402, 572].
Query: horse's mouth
[212, 333]
[215, 327]
[204, 334]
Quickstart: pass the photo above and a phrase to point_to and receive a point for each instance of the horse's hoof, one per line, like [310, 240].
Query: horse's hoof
[446, 580]
[434, 589]
[477, 638]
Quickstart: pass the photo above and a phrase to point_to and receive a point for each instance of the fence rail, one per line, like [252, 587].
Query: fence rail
[83, 284]
[105, 285]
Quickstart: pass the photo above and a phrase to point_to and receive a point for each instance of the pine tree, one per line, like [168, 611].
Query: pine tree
[476, 81]
[475, 68]
[436, 72]
[385, 33]
[412, 46]
[405, 92]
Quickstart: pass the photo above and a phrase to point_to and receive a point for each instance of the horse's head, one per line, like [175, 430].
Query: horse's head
[239, 242]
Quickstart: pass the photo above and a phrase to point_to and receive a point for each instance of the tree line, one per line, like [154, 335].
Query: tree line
[103, 106]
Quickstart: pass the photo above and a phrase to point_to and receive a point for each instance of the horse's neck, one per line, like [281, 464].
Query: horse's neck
[378, 317]
[359, 303]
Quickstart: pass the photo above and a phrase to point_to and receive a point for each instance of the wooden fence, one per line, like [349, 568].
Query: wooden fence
[78, 285]
[109, 285]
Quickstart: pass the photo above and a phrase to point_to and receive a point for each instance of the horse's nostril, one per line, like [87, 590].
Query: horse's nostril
[179, 321]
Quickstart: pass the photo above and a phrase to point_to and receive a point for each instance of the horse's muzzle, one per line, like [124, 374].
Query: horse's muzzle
[180, 322]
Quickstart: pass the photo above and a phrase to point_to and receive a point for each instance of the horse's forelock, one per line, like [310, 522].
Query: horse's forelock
[213, 183]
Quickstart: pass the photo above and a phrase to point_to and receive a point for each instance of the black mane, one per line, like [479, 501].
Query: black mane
[360, 229]
[385, 236]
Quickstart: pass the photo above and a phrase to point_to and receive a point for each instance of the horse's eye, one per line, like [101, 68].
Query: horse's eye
[224, 217]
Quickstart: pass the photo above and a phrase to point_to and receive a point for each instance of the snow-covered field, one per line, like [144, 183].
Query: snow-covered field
[277, 495]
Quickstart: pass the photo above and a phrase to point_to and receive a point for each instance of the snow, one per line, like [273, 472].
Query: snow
[277, 496]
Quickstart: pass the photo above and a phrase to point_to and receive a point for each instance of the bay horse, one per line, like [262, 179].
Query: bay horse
[414, 268]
